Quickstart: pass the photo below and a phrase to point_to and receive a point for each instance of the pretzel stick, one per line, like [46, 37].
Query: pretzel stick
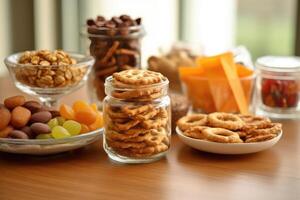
[111, 51]
[126, 52]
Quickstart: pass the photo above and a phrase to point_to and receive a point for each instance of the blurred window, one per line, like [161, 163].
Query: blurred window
[266, 26]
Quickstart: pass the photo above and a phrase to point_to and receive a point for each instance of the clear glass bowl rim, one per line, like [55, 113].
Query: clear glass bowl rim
[12, 60]
[95, 133]
[253, 76]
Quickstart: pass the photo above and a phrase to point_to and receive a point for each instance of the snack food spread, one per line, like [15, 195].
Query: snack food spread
[137, 115]
[136, 108]
[229, 128]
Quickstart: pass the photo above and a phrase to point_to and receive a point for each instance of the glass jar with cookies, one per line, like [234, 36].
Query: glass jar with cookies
[136, 116]
[116, 45]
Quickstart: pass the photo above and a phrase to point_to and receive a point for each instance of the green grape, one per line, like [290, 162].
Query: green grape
[72, 127]
[53, 122]
[44, 136]
[59, 132]
[60, 120]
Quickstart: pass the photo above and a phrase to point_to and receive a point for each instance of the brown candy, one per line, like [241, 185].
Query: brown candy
[27, 130]
[33, 106]
[17, 134]
[20, 117]
[14, 101]
[40, 128]
[54, 113]
[43, 117]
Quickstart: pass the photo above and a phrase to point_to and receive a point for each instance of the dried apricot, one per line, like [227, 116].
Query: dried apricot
[20, 117]
[98, 123]
[14, 101]
[4, 117]
[4, 132]
[94, 106]
[87, 116]
[80, 105]
[66, 112]
[84, 128]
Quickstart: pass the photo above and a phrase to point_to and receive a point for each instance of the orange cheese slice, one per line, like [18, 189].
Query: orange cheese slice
[190, 71]
[218, 84]
[231, 73]
[199, 93]
[243, 71]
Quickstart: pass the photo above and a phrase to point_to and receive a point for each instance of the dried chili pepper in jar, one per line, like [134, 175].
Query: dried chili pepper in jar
[279, 93]
[278, 86]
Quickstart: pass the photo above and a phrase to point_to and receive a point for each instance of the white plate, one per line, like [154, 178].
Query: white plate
[227, 148]
[48, 146]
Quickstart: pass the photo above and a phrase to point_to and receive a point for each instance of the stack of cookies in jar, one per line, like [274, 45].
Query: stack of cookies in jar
[137, 114]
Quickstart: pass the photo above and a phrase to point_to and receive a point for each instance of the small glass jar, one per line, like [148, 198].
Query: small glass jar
[137, 122]
[278, 86]
[114, 50]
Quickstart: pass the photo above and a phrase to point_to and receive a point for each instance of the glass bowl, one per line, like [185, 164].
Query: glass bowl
[218, 97]
[48, 146]
[49, 83]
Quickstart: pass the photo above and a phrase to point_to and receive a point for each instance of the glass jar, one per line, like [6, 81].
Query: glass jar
[114, 49]
[278, 86]
[137, 121]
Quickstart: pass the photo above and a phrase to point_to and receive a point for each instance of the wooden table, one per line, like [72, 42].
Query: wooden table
[185, 173]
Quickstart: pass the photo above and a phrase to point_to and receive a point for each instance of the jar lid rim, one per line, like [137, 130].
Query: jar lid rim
[139, 31]
[279, 63]
[108, 83]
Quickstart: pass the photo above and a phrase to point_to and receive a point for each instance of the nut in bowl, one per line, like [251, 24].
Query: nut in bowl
[27, 127]
[226, 133]
[48, 74]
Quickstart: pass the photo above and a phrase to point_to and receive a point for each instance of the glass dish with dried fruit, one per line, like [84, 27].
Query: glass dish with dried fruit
[27, 127]
[48, 75]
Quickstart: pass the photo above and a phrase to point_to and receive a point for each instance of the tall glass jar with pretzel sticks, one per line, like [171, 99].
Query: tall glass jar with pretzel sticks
[116, 45]
[136, 116]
